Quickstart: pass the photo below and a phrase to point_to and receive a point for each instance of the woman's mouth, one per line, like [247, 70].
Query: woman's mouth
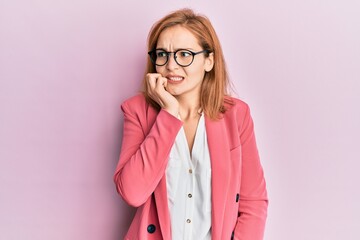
[174, 79]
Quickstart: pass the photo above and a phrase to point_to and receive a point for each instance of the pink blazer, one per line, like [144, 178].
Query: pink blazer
[239, 197]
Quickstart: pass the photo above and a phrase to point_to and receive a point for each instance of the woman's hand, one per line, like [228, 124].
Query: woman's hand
[156, 87]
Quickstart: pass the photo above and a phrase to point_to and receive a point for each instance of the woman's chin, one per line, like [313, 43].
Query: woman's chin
[172, 91]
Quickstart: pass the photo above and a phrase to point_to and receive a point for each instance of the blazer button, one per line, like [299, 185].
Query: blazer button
[151, 228]
[237, 197]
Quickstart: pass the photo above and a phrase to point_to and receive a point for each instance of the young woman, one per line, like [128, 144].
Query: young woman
[189, 160]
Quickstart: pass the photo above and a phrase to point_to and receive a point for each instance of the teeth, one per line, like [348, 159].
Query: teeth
[175, 78]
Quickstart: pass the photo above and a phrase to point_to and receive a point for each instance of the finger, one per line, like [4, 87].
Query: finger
[153, 74]
[160, 83]
[151, 82]
[152, 79]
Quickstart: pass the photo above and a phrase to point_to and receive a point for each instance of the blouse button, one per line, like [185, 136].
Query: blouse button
[188, 221]
[190, 171]
[190, 195]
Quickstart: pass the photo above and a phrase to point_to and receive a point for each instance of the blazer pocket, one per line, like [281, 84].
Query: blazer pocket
[236, 165]
[235, 153]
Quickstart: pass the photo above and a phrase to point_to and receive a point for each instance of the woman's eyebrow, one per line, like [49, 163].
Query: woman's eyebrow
[175, 49]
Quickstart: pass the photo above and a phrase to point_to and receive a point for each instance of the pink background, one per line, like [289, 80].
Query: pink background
[65, 67]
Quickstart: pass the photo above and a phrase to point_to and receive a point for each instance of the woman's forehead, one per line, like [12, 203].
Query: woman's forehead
[177, 37]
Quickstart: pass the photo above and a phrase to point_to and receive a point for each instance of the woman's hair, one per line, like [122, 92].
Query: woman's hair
[214, 88]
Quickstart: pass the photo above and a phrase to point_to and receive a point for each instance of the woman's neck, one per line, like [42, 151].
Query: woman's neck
[189, 108]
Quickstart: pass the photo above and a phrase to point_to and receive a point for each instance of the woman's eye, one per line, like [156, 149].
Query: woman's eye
[161, 54]
[185, 54]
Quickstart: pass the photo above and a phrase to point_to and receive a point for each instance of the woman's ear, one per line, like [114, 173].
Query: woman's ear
[209, 62]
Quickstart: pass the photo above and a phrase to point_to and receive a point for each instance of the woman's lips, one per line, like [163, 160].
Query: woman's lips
[174, 79]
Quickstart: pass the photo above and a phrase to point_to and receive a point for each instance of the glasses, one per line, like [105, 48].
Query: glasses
[182, 57]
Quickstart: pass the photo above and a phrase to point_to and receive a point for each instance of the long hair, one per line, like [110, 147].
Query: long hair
[214, 88]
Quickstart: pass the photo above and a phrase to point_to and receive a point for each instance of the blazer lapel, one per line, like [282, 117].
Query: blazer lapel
[220, 169]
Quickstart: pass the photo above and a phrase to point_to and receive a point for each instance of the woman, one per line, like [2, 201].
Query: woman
[189, 160]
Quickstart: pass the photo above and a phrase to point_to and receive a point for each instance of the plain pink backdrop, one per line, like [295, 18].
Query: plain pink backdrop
[65, 67]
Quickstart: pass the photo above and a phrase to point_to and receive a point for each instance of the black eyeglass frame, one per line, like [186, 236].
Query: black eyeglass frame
[168, 54]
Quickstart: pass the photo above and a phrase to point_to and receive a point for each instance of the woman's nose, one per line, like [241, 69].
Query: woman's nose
[171, 64]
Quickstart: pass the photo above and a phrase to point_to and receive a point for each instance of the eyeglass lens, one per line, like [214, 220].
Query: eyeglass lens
[182, 57]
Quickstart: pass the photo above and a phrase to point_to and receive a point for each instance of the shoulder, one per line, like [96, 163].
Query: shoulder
[136, 103]
[237, 113]
[138, 107]
[237, 116]
[235, 106]
[137, 99]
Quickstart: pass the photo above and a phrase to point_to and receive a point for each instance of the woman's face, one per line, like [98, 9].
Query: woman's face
[183, 81]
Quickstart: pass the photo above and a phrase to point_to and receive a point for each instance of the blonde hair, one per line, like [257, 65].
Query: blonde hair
[215, 85]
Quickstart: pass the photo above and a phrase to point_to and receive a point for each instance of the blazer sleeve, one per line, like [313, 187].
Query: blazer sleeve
[253, 200]
[144, 153]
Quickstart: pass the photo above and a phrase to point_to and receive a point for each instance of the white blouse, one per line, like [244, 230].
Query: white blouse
[188, 180]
